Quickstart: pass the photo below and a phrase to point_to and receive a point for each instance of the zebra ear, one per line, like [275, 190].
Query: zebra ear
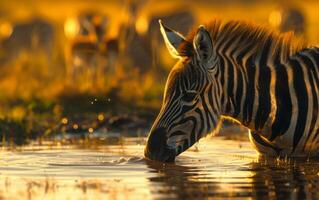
[172, 40]
[203, 44]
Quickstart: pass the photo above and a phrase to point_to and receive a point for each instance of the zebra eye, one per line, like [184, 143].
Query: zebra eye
[189, 96]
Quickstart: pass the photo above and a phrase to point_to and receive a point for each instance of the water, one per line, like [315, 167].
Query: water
[215, 168]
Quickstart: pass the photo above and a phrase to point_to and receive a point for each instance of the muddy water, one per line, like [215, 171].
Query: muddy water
[215, 168]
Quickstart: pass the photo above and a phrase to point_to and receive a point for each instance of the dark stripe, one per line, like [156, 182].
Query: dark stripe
[192, 136]
[245, 73]
[222, 77]
[314, 65]
[263, 88]
[310, 69]
[315, 56]
[314, 111]
[211, 100]
[170, 112]
[262, 142]
[239, 92]
[250, 94]
[186, 119]
[302, 98]
[177, 133]
[231, 72]
[184, 109]
[201, 125]
[209, 116]
[283, 100]
[217, 86]
[230, 85]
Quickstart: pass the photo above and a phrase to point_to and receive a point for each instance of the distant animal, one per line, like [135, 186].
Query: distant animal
[86, 54]
[241, 71]
[146, 46]
[293, 19]
[83, 57]
[34, 35]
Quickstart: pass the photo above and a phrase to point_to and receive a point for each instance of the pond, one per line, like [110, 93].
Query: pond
[214, 168]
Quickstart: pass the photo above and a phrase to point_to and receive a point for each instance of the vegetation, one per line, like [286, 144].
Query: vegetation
[36, 96]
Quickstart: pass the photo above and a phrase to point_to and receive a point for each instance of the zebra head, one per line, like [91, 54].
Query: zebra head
[191, 107]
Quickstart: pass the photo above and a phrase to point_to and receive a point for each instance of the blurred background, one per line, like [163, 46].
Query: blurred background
[99, 66]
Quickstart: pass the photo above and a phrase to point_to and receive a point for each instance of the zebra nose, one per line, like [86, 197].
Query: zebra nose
[156, 147]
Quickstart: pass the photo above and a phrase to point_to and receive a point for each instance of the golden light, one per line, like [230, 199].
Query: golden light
[75, 126]
[5, 29]
[71, 27]
[64, 120]
[91, 130]
[100, 117]
[275, 18]
[141, 25]
[18, 113]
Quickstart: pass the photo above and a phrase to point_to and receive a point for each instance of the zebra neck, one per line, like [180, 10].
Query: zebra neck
[248, 88]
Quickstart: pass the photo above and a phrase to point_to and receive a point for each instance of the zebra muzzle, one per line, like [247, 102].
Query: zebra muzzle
[157, 148]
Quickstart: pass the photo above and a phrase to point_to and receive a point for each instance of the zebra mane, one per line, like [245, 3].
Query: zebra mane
[246, 35]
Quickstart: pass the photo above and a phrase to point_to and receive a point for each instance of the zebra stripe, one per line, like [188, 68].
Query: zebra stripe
[249, 74]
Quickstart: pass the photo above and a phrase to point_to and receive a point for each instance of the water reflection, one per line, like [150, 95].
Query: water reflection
[266, 179]
[297, 179]
[217, 168]
[180, 182]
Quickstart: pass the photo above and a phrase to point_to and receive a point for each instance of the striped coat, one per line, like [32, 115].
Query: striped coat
[264, 80]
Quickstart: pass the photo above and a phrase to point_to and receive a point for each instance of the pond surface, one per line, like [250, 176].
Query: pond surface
[215, 168]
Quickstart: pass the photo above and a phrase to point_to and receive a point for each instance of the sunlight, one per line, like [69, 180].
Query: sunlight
[141, 25]
[71, 27]
[275, 18]
[75, 126]
[5, 29]
[100, 117]
[64, 120]
[91, 130]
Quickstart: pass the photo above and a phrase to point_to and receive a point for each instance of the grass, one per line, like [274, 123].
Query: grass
[36, 93]
[36, 96]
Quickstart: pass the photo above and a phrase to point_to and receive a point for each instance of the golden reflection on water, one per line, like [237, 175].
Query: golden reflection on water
[215, 168]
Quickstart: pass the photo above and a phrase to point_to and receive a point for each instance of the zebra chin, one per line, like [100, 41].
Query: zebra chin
[157, 148]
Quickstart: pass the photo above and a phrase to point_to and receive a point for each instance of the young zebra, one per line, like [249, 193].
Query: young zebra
[241, 71]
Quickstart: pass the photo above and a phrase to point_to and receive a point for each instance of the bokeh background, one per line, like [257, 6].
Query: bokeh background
[99, 67]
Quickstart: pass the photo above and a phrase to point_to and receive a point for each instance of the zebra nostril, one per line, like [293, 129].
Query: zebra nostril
[156, 147]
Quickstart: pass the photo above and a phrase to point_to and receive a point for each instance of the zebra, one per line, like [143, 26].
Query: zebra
[85, 54]
[266, 81]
